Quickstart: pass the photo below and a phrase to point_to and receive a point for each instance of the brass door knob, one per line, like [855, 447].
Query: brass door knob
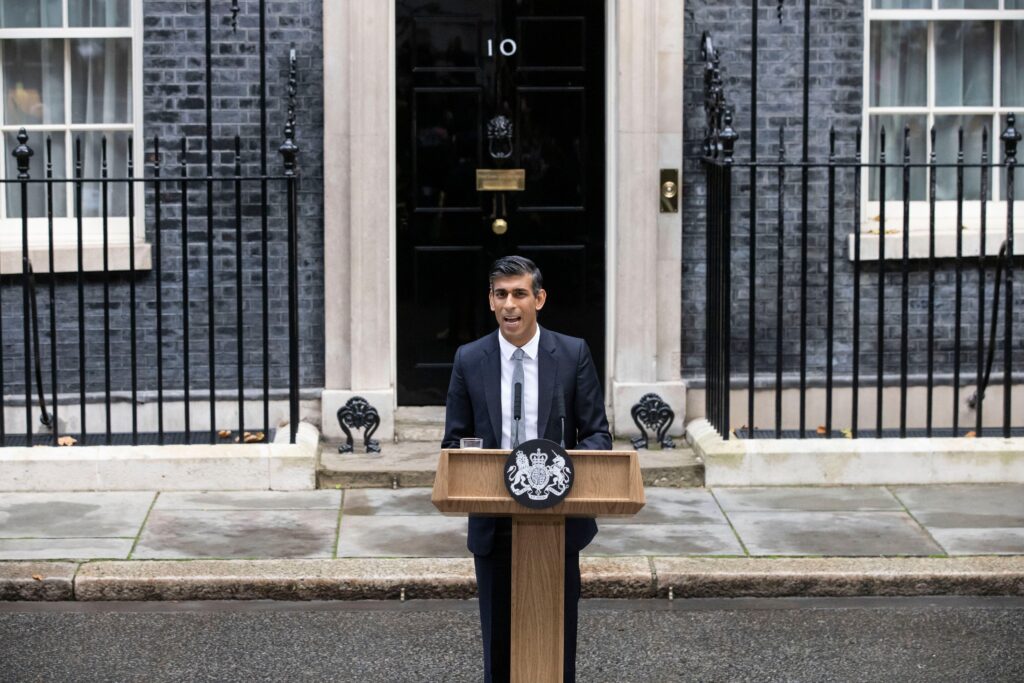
[499, 226]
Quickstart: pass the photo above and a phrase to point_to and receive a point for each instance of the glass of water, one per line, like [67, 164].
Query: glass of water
[471, 442]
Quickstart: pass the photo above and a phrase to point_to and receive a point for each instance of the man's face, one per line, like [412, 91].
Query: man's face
[515, 307]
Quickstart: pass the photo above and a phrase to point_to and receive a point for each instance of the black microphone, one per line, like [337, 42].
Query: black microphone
[560, 407]
[517, 402]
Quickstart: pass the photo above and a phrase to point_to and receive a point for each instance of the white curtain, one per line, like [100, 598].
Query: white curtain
[894, 127]
[901, 4]
[98, 13]
[30, 13]
[899, 63]
[898, 79]
[1012, 48]
[970, 4]
[946, 145]
[101, 80]
[963, 63]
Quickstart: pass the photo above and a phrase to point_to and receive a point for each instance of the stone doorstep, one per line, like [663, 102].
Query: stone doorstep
[425, 578]
[412, 464]
[855, 462]
[419, 423]
[228, 467]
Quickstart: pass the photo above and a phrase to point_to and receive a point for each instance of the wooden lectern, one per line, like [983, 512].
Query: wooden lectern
[471, 481]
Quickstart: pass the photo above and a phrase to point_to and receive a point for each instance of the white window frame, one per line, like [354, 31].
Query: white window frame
[65, 228]
[945, 210]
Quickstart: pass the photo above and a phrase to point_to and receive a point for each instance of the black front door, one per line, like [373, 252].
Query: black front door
[461, 65]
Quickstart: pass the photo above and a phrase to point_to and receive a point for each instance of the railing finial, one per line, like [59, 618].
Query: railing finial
[23, 153]
[1010, 137]
[288, 149]
[728, 135]
[718, 131]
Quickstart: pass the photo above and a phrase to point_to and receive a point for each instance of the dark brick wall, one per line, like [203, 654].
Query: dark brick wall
[174, 107]
[835, 100]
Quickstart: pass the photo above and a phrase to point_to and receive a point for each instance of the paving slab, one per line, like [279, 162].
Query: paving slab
[402, 536]
[967, 506]
[985, 541]
[415, 501]
[68, 515]
[806, 498]
[248, 500]
[65, 548]
[664, 539]
[37, 580]
[179, 534]
[840, 534]
[675, 506]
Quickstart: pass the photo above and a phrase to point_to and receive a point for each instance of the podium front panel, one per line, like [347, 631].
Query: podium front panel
[607, 483]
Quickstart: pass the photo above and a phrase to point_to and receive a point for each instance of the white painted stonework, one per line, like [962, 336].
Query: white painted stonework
[278, 466]
[842, 462]
[644, 57]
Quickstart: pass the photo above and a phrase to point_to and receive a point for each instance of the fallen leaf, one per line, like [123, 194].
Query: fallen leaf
[971, 434]
[224, 433]
[67, 441]
[822, 430]
[37, 577]
[253, 437]
[848, 433]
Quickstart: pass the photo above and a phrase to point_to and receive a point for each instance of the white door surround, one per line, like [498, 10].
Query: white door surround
[644, 61]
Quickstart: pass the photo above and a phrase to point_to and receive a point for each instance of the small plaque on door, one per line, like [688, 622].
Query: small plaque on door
[500, 179]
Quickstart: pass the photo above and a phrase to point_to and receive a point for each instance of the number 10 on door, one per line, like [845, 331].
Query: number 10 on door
[507, 47]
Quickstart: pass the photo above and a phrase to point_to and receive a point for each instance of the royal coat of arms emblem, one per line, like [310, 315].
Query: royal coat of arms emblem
[539, 473]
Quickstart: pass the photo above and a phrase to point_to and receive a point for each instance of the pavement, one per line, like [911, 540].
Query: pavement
[386, 543]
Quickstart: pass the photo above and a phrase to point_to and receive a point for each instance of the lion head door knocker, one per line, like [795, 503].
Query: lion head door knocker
[499, 181]
[539, 474]
[499, 137]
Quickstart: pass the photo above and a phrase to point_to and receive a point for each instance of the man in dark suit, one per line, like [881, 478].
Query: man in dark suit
[558, 380]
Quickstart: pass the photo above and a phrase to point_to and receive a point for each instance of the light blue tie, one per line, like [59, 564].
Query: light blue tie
[517, 378]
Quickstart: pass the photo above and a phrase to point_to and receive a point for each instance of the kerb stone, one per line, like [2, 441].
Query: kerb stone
[41, 581]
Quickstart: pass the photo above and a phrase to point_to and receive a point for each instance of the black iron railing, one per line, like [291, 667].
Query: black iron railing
[760, 342]
[224, 241]
[160, 286]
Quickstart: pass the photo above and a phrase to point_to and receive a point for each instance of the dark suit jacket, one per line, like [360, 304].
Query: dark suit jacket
[474, 409]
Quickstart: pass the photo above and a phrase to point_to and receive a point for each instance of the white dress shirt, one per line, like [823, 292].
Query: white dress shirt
[528, 425]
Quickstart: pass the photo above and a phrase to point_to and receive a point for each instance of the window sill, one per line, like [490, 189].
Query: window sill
[65, 258]
[945, 244]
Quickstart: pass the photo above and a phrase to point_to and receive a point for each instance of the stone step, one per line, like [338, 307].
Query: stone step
[419, 423]
[410, 464]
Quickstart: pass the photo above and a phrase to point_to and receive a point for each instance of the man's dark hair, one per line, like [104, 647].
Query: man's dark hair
[510, 266]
